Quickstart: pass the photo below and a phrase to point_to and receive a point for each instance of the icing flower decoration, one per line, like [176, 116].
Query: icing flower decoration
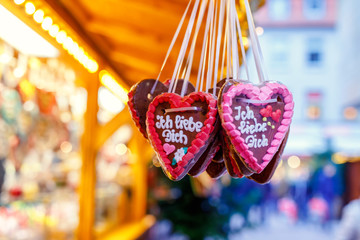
[179, 155]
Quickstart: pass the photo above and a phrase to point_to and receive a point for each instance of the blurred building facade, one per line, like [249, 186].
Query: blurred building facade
[304, 44]
[349, 36]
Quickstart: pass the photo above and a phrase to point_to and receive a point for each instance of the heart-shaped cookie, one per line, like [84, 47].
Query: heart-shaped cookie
[230, 162]
[213, 148]
[216, 170]
[204, 161]
[187, 123]
[256, 138]
[140, 97]
[266, 175]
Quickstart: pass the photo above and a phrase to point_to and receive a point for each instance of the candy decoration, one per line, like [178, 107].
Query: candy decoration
[276, 115]
[169, 148]
[266, 112]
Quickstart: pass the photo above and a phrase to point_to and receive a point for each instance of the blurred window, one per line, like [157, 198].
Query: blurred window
[279, 53]
[279, 9]
[314, 9]
[314, 54]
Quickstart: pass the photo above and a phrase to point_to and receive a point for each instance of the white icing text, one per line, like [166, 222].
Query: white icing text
[249, 125]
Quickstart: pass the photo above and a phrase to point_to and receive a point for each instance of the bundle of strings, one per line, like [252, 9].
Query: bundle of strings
[213, 40]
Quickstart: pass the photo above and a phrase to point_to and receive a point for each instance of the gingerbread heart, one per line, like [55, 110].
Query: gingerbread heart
[140, 97]
[256, 138]
[213, 148]
[230, 162]
[216, 170]
[266, 175]
[187, 123]
[204, 161]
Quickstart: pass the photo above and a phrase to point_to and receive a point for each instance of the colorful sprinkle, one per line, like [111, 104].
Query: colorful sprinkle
[264, 119]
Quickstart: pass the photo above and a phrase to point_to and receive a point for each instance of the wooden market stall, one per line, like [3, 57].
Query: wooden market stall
[112, 44]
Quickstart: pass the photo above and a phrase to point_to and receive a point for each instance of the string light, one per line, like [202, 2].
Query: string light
[30, 8]
[259, 31]
[47, 23]
[294, 162]
[54, 29]
[350, 113]
[39, 16]
[92, 66]
[19, 2]
[245, 41]
[339, 158]
[121, 149]
[110, 83]
[68, 43]
[61, 36]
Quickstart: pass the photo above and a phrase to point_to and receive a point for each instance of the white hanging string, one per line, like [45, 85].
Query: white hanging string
[171, 46]
[258, 45]
[228, 63]
[203, 66]
[200, 76]
[211, 48]
[192, 49]
[184, 46]
[218, 42]
[260, 69]
[223, 53]
[178, 73]
[235, 52]
[242, 47]
[185, 69]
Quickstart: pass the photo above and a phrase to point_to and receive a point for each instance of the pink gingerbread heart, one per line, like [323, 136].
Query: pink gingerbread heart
[254, 140]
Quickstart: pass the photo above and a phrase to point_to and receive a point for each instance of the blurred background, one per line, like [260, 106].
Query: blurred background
[73, 165]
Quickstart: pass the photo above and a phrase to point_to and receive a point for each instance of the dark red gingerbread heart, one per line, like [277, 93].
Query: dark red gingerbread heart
[213, 148]
[140, 98]
[206, 158]
[186, 123]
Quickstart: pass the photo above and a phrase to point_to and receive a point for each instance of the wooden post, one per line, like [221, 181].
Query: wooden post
[88, 170]
[139, 159]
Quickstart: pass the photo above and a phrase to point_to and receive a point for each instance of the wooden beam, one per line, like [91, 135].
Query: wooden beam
[84, 35]
[135, 12]
[107, 130]
[127, 35]
[137, 63]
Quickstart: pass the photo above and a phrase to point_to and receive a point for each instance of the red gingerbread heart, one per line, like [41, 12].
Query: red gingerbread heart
[255, 138]
[187, 123]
